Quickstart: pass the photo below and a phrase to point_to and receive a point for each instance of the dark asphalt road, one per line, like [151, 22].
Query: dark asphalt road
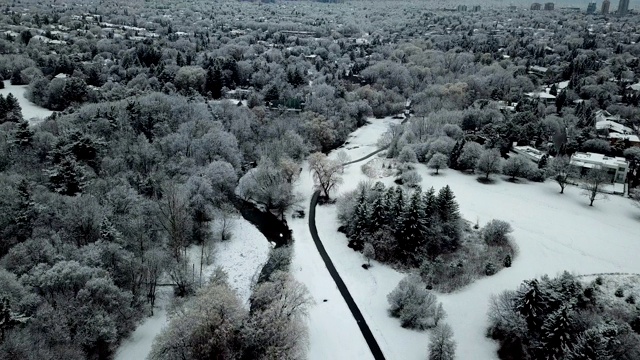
[357, 315]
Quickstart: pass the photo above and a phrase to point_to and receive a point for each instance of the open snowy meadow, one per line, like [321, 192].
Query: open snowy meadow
[553, 232]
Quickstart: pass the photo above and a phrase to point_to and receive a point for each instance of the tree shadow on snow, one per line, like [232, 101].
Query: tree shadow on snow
[484, 180]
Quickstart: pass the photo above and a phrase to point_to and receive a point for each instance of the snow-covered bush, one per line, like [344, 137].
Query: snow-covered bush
[496, 232]
[416, 307]
[411, 178]
[407, 154]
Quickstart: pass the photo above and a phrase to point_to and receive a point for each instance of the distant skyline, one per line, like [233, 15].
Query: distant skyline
[633, 4]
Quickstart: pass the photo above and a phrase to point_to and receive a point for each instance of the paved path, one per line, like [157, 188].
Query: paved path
[357, 315]
[365, 157]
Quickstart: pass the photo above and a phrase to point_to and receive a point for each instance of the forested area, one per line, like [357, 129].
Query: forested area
[166, 112]
[563, 318]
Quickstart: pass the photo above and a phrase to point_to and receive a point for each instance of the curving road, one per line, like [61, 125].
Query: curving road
[357, 315]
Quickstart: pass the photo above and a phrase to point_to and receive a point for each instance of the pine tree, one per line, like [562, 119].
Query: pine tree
[67, 177]
[361, 223]
[557, 331]
[414, 225]
[455, 154]
[25, 213]
[379, 213]
[430, 204]
[14, 111]
[446, 205]
[108, 232]
[23, 136]
[532, 303]
[397, 211]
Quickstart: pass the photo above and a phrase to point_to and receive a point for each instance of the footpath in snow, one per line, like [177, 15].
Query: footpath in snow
[553, 232]
[241, 257]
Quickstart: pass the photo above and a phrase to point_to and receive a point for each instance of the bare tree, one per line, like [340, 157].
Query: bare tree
[593, 185]
[326, 172]
[174, 218]
[561, 170]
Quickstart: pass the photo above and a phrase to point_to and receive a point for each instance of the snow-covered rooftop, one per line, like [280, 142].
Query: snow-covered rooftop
[631, 138]
[590, 160]
[613, 126]
[541, 95]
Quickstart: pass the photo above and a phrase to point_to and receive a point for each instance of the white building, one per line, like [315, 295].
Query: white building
[616, 167]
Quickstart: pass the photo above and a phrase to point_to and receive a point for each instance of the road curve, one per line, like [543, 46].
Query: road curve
[357, 315]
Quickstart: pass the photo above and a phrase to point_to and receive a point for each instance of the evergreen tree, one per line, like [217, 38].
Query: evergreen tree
[379, 213]
[23, 135]
[446, 205]
[544, 161]
[430, 204]
[557, 331]
[532, 303]
[67, 177]
[455, 154]
[414, 225]
[26, 212]
[361, 223]
[396, 210]
[213, 83]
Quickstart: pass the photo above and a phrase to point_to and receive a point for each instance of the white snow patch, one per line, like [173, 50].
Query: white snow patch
[241, 257]
[31, 112]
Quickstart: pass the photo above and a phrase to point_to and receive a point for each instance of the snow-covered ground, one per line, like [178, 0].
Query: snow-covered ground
[138, 344]
[241, 258]
[553, 232]
[30, 111]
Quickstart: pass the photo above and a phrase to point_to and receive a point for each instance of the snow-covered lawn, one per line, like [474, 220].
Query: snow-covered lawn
[553, 232]
[30, 111]
[241, 257]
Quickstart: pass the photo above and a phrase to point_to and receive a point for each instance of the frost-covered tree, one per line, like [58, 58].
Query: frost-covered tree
[489, 163]
[438, 161]
[326, 172]
[469, 156]
[517, 166]
[442, 346]
[416, 307]
[496, 232]
[206, 327]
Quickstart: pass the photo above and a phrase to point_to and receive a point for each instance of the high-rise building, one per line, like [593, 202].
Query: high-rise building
[549, 6]
[591, 8]
[623, 7]
[605, 7]
[536, 6]
[476, 8]
[462, 7]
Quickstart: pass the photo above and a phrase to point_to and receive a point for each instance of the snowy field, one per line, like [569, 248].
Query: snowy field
[241, 258]
[553, 232]
[30, 111]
